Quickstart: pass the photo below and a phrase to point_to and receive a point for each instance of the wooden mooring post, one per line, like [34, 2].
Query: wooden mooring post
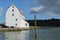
[35, 27]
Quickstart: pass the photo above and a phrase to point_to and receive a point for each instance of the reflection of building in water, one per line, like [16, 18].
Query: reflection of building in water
[15, 18]
[2, 35]
[23, 35]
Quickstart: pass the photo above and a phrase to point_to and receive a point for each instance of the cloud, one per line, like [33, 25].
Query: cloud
[50, 5]
[50, 13]
[0, 14]
[1, 11]
[37, 9]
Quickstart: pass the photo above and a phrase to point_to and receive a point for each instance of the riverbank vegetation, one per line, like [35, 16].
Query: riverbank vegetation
[45, 23]
[11, 29]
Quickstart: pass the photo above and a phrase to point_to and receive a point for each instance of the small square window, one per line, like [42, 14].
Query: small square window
[16, 24]
[25, 24]
[16, 19]
[12, 14]
[13, 10]
[13, 6]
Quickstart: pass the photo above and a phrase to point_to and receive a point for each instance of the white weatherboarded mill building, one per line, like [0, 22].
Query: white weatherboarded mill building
[15, 18]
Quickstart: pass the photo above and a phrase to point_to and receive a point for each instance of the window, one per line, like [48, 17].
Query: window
[13, 10]
[16, 19]
[13, 6]
[12, 14]
[12, 27]
[25, 24]
[16, 24]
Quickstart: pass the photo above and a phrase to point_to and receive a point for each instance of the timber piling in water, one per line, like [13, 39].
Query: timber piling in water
[35, 27]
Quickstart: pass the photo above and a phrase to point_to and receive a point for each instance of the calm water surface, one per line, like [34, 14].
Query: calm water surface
[42, 34]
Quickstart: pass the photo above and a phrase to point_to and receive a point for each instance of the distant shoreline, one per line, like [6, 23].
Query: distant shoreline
[42, 27]
[48, 22]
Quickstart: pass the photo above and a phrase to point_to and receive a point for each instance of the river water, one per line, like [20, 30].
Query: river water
[42, 34]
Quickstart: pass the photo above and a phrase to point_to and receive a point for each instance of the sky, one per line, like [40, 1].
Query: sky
[43, 9]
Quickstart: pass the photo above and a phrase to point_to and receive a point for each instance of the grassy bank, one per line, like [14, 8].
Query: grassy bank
[33, 27]
[19, 29]
[11, 29]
